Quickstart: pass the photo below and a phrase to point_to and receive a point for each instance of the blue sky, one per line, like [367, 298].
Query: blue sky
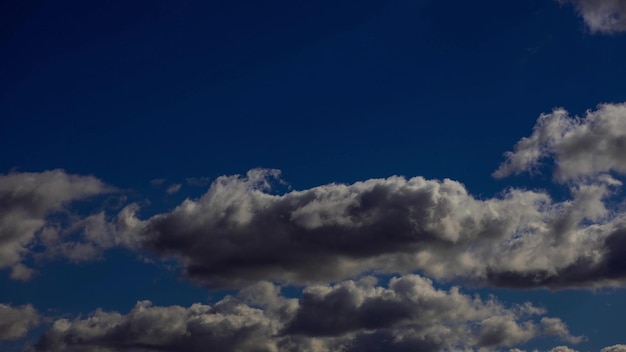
[143, 141]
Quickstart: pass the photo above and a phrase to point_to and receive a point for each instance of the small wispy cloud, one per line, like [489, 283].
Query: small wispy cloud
[173, 188]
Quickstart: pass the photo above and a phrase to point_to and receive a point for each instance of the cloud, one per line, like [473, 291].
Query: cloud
[227, 326]
[198, 181]
[157, 182]
[604, 16]
[349, 316]
[15, 322]
[556, 327]
[26, 202]
[614, 348]
[173, 188]
[409, 312]
[562, 349]
[582, 147]
[238, 233]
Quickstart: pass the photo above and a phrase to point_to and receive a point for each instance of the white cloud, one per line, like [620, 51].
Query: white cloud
[582, 147]
[15, 322]
[604, 16]
[26, 200]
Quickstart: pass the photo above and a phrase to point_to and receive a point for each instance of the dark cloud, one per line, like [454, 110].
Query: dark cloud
[605, 16]
[26, 202]
[409, 314]
[15, 322]
[609, 270]
[238, 233]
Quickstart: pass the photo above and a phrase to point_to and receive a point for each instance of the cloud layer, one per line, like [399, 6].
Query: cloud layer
[348, 316]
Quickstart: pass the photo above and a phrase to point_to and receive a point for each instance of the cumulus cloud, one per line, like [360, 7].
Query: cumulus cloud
[227, 326]
[604, 16]
[15, 322]
[581, 147]
[238, 233]
[26, 202]
[556, 327]
[408, 313]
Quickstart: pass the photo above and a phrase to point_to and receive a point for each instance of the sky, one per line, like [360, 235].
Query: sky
[313, 176]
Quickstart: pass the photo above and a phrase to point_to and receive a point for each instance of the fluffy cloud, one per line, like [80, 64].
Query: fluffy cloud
[238, 233]
[410, 312]
[580, 146]
[15, 322]
[348, 316]
[228, 326]
[606, 16]
[26, 202]
[556, 327]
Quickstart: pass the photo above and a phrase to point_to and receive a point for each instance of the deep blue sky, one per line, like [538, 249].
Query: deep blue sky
[326, 91]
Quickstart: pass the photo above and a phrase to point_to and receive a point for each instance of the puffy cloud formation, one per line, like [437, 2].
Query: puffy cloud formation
[556, 327]
[238, 233]
[26, 200]
[349, 316]
[15, 322]
[581, 147]
[605, 16]
[227, 326]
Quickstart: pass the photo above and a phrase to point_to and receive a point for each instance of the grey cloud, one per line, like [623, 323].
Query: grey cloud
[227, 326]
[581, 147]
[609, 269]
[407, 314]
[26, 202]
[15, 322]
[237, 233]
[556, 327]
[604, 16]
[504, 331]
